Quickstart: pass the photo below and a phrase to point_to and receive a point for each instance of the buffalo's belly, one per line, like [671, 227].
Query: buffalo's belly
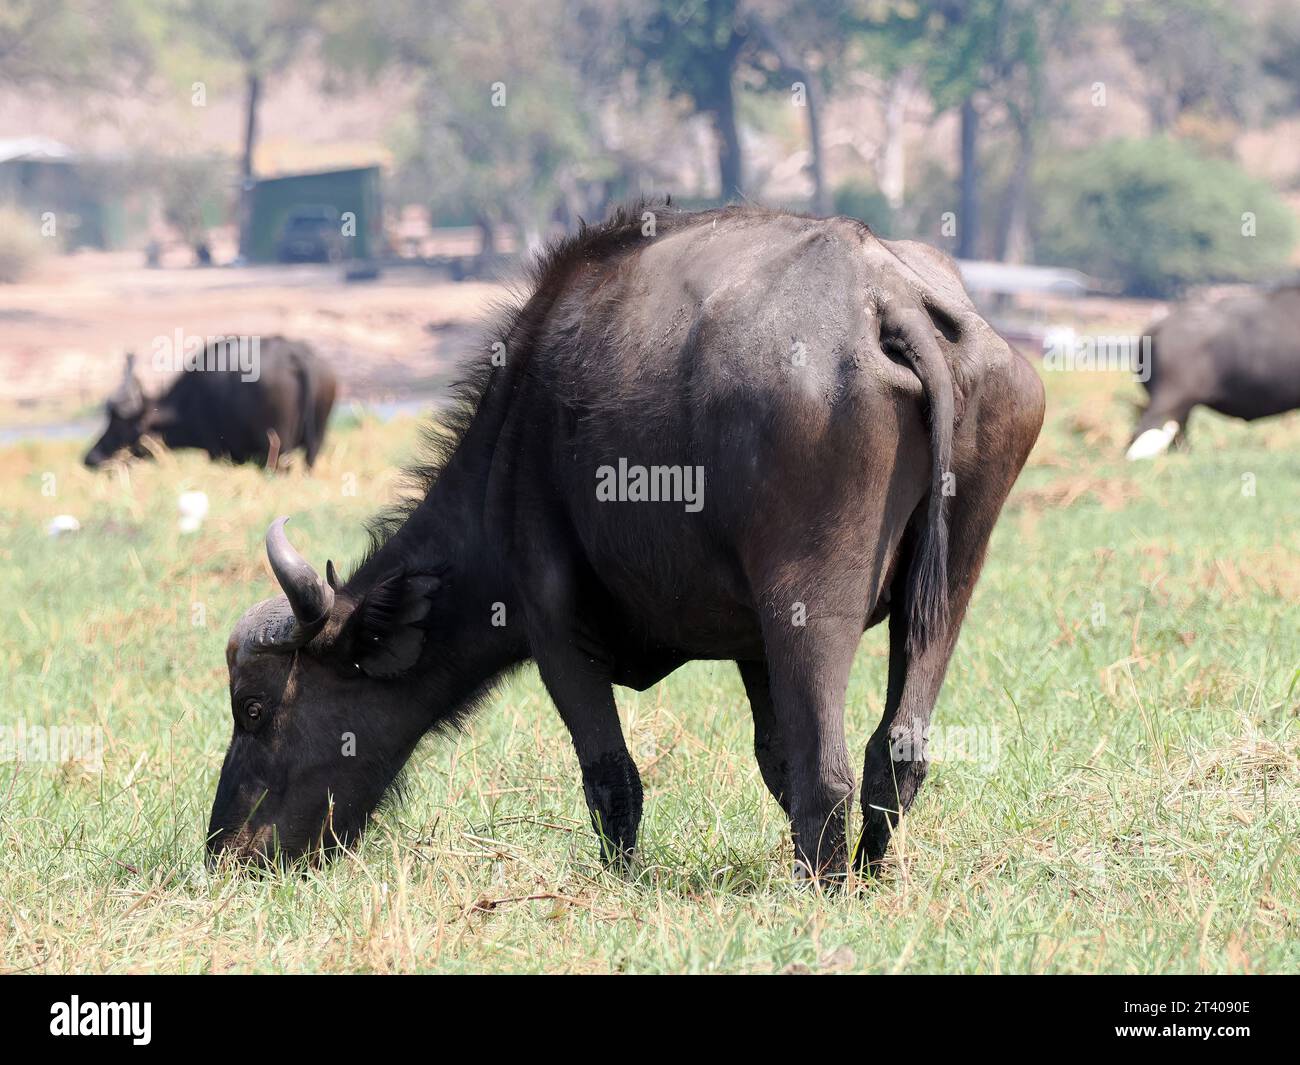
[1259, 400]
[671, 585]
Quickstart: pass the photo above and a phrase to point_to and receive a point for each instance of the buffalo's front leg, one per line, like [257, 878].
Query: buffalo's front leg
[580, 686]
[578, 674]
[769, 750]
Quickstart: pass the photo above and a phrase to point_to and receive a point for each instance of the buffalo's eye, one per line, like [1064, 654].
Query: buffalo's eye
[254, 711]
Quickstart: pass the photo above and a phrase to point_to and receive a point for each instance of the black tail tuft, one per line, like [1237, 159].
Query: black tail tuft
[928, 607]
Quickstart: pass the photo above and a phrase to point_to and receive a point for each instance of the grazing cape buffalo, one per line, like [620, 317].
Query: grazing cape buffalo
[244, 405]
[1239, 355]
[851, 427]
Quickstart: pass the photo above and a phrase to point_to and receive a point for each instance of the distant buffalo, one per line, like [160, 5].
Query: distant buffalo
[740, 435]
[244, 400]
[1239, 356]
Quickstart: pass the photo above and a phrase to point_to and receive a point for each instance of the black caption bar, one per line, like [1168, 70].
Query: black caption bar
[146, 1013]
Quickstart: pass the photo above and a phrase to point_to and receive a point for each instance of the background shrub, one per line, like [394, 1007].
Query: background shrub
[1156, 217]
[860, 199]
[21, 243]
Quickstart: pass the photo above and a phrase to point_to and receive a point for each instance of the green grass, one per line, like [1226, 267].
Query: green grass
[1130, 659]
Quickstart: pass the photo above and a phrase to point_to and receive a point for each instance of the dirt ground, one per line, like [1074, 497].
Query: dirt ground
[63, 333]
[394, 340]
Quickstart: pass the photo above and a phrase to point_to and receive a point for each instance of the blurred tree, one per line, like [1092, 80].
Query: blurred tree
[697, 48]
[507, 119]
[1280, 25]
[261, 37]
[1158, 217]
[62, 44]
[696, 45]
[1192, 54]
[975, 56]
[898, 73]
[1030, 37]
[190, 190]
[796, 42]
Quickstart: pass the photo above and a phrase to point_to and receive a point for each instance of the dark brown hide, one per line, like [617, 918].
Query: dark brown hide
[1239, 355]
[226, 412]
[858, 427]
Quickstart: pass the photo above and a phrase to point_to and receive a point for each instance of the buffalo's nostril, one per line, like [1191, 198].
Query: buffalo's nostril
[252, 850]
[219, 847]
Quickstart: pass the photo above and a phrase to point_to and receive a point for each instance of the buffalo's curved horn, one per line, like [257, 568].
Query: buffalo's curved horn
[309, 597]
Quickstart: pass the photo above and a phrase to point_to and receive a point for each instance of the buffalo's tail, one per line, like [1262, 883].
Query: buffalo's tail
[928, 592]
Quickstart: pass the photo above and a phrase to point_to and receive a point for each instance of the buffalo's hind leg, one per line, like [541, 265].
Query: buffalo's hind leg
[896, 761]
[897, 757]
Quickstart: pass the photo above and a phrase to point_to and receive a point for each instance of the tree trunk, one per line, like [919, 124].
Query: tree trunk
[487, 236]
[893, 157]
[254, 90]
[729, 162]
[785, 56]
[1162, 110]
[1013, 242]
[968, 211]
[821, 200]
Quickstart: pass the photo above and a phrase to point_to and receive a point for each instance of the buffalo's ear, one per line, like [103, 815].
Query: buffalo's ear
[385, 634]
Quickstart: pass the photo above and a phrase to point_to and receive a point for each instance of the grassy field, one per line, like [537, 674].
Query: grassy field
[1125, 691]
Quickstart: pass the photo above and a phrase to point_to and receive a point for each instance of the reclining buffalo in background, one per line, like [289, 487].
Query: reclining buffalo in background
[251, 404]
[1239, 355]
[851, 428]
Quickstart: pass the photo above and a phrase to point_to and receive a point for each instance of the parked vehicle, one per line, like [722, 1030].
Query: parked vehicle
[311, 234]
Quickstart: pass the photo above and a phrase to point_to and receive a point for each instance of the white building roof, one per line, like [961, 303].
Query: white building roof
[33, 148]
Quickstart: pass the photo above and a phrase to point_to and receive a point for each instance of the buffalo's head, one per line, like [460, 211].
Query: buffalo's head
[128, 413]
[326, 698]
